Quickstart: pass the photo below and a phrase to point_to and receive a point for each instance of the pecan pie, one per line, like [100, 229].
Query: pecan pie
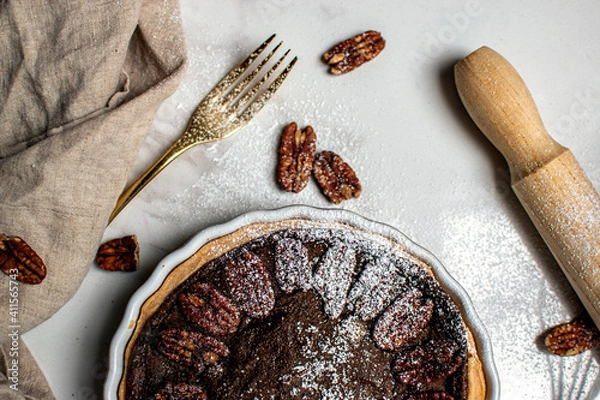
[301, 309]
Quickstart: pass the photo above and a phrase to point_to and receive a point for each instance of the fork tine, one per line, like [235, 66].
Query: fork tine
[243, 84]
[235, 73]
[244, 100]
[258, 103]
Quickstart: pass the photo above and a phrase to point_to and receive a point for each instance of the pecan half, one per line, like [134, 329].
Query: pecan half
[193, 349]
[120, 254]
[210, 309]
[572, 338]
[376, 287]
[181, 391]
[334, 276]
[403, 321]
[427, 362]
[336, 178]
[292, 267]
[431, 396]
[250, 285]
[19, 261]
[296, 156]
[354, 52]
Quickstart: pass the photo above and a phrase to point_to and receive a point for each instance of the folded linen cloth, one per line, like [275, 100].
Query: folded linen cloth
[80, 83]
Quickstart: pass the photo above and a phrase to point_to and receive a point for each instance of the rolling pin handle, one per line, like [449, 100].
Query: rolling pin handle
[502, 107]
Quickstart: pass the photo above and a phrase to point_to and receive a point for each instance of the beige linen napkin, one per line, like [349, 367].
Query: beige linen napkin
[80, 82]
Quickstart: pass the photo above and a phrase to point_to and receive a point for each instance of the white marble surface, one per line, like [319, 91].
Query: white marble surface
[425, 167]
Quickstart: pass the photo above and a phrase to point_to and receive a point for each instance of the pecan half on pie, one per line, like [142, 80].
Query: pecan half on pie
[301, 309]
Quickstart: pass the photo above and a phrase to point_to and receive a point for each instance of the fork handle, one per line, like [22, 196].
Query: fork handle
[128, 194]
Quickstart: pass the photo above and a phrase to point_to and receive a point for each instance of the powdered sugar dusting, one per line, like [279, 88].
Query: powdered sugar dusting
[403, 320]
[292, 267]
[250, 285]
[376, 287]
[334, 275]
[326, 357]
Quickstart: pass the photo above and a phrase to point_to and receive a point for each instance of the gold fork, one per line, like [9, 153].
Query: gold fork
[226, 109]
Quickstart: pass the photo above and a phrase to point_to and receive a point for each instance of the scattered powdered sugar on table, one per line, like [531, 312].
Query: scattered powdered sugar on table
[509, 267]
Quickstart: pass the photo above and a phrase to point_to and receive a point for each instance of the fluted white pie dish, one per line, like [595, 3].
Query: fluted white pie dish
[333, 217]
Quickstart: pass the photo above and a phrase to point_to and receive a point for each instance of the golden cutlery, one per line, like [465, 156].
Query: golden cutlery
[233, 102]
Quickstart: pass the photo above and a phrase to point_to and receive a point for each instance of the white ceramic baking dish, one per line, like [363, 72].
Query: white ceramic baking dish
[333, 216]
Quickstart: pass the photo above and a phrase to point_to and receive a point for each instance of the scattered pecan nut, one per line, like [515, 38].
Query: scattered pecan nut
[19, 261]
[427, 362]
[120, 254]
[352, 53]
[572, 338]
[296, 156]
[210, 309]
[250, 285]
[193, 349]
[336, 178]
[403, 321]
[181, 391]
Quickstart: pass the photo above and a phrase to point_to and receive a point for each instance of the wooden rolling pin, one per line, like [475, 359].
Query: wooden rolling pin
[554, 190]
